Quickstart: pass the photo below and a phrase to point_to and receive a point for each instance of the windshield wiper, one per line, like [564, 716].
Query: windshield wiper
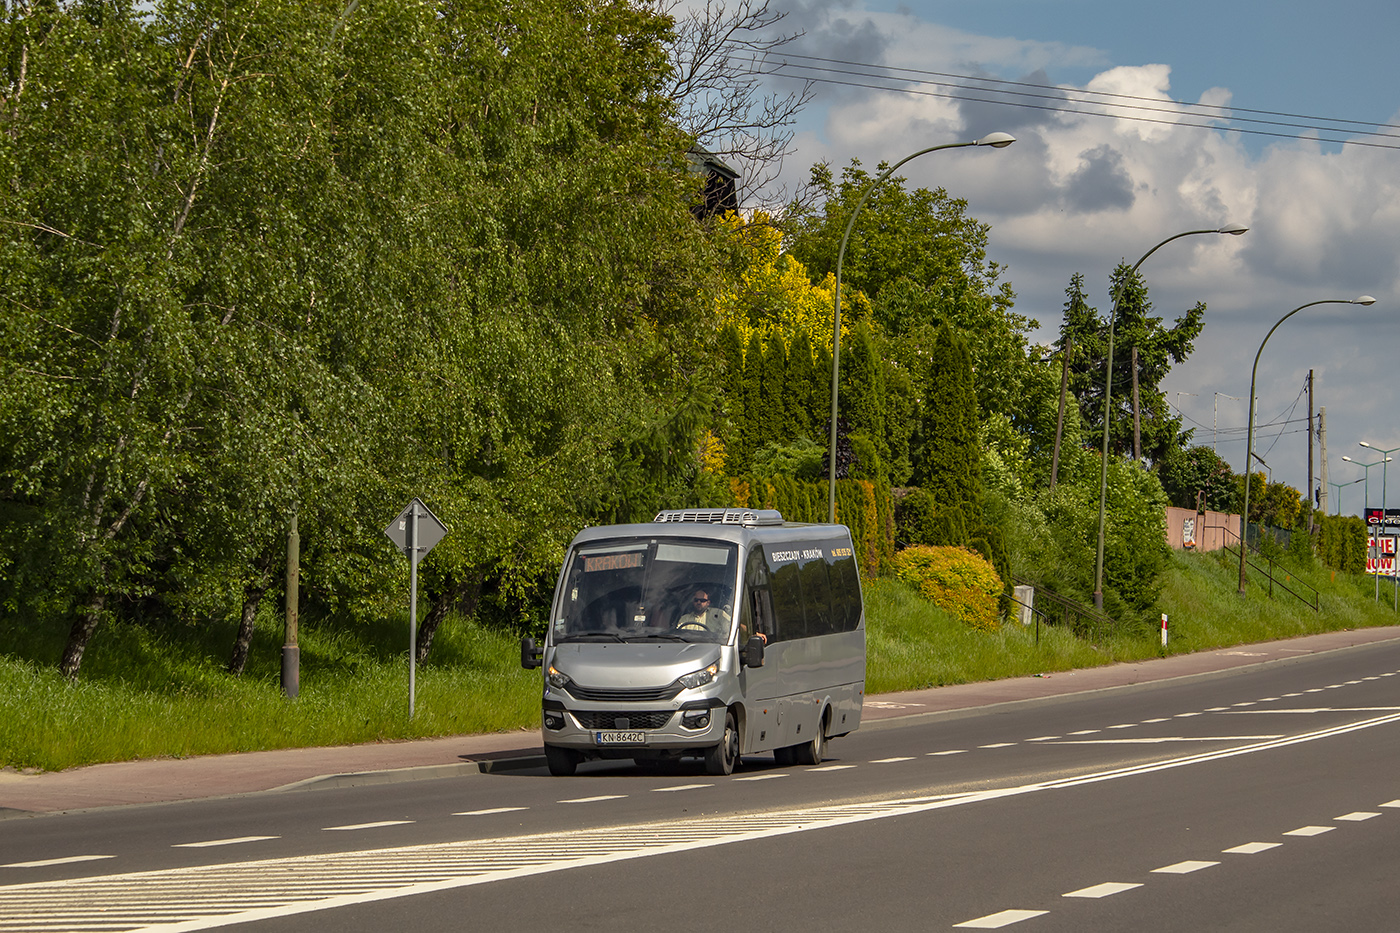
[589, 636]
[664, 636]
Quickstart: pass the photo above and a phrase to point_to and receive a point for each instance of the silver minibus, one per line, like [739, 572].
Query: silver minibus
[704, 633]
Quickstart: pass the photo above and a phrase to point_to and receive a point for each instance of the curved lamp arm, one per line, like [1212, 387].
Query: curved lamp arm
[995, 141]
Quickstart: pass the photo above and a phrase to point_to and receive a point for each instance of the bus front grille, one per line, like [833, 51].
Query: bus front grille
[623, 694]
[609, 719]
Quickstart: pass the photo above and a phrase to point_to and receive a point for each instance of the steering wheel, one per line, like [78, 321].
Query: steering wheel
[691, 626]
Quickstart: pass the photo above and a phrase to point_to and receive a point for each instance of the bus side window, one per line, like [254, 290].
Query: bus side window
[846, 582]
[816, 595]
[756, 608]
[788, 613]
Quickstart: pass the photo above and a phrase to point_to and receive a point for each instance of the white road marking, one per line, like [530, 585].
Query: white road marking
[489, 811]
[1318, 709]
[1185, 715]
[1183, 868]
[1287, 695]
[1313, 690]
[1217, 709]
[67, 860]
[1391, 803]
[1086, 732]
[951, 751]
[832, 768]
[1310, 830]
[1252, 848]
[1162, 739]
[890, 761]
[1104, 890]
[1124, 725]
[761, 777]
[207, 897]
[1357, 816]
[666, 790]
[1268, 699]
[1146, 721]
[1249, 703]
[1043, 738]
[594, 799]
[998, 920]
[998, 745]
[222, 842]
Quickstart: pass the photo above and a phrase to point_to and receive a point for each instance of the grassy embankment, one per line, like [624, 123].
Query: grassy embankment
[144, 696]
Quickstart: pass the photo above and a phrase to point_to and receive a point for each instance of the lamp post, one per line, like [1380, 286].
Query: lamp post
[996, 141]
[1373, 539]
[1338, 487]
[1385, 516]
[1233, 230]
[1365, 300]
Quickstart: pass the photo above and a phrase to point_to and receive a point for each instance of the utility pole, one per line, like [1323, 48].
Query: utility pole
[1310, 452]
[1322, 456]
[291, 654]
[1137, 415]
[1060, 420]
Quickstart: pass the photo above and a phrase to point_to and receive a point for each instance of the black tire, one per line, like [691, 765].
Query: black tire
[782, 757]
[721, 758]
[562, 762]
[810, 753]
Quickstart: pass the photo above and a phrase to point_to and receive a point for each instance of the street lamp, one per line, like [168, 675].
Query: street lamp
[1367, 477]
[1338, 487]
[1365, 300]
[994, 140]
[1233, 230]
[1265, 464]
[1384, 518]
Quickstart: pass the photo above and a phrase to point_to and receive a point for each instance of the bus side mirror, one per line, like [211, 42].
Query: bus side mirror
[753, 651]
[530, 656]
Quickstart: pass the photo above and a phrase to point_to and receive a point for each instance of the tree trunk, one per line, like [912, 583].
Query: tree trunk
[85, 622]
[462, 596]
[253, 592]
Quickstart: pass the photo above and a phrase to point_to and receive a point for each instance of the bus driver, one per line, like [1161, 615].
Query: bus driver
[702, 616]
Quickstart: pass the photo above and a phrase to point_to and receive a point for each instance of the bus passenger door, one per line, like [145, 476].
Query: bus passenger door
[761, 685]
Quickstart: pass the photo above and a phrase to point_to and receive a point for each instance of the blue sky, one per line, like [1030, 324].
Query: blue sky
[1081, 192]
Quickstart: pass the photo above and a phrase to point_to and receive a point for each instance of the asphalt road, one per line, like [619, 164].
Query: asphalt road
[1267, 798]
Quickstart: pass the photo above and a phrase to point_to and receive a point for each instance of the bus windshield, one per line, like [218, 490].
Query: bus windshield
[644, 589]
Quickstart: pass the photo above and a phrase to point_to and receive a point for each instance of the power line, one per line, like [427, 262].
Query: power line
[819, 74]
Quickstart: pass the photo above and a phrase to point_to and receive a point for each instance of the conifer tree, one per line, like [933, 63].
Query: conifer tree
[949, 463]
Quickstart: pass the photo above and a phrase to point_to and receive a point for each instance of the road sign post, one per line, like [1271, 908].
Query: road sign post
[415, 531]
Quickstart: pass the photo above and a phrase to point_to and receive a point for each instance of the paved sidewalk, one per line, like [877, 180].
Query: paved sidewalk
[170, 779]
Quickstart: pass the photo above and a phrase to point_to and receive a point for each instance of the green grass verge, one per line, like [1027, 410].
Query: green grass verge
[143, 695]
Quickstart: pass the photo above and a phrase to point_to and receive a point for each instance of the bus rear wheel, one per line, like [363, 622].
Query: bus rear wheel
[562, 761]
[810, 753]
[720, 759]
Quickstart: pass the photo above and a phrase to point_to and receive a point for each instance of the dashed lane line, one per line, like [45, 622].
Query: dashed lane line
[1183, 868]
[678, 787]
[1106, 889]
[598, 798]
[378, 824]
[236, 840]
[65, 860]
[832, 768]
[951, 751]
[761, 777]
[1000, 919]
[1357, 816]
[1164, 739]
[489, 810]
[1252, 848]
[998, 745]
[1310, 830]
[890, 761]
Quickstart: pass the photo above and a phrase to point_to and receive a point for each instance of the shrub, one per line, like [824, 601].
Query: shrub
[958, 581]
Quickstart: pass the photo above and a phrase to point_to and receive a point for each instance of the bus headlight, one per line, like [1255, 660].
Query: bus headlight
[557, 678]
[699, 678]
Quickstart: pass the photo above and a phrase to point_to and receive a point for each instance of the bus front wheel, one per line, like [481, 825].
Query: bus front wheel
[721, 758]
[562, 761]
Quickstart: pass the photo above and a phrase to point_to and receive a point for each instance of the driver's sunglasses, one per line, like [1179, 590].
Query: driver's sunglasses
[701, 599]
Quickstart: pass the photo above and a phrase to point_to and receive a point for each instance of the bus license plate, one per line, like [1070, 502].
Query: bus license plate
[620, 738]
